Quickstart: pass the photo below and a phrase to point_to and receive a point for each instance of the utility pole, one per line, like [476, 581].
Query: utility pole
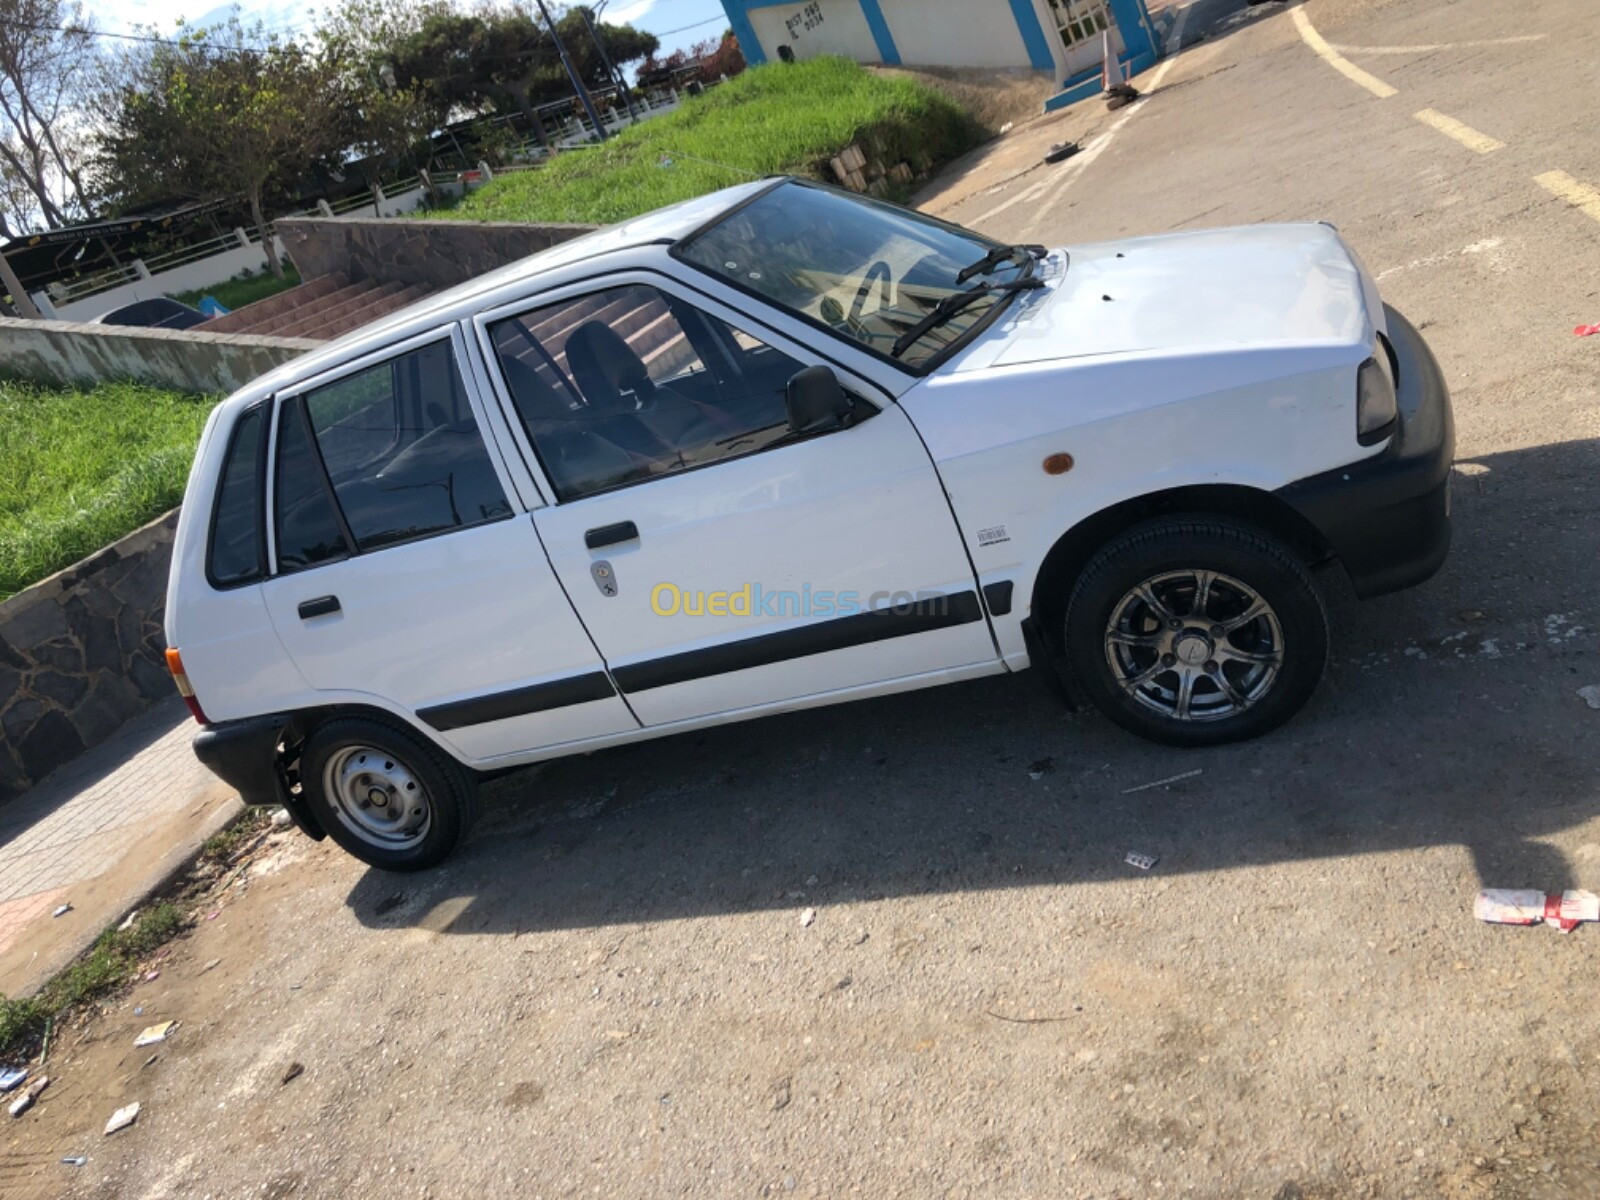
[19, 294]
[611, 71]
[572, 74]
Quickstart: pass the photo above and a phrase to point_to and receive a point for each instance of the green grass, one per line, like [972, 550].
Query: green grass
[108, 965]
[82, 468]
[243, 289]
[770, 120]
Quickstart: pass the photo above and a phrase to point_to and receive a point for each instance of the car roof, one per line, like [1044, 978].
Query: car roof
[663, 226]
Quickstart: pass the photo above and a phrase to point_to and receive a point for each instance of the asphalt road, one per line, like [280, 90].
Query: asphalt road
[612, 991]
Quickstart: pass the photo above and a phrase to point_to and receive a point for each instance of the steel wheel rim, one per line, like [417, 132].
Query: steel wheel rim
[377, 797]
[1194, 645]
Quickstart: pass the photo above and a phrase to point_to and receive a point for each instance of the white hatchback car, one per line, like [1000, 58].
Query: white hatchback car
[785, 446]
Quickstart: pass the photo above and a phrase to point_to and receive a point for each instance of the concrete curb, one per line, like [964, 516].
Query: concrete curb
[163, 873]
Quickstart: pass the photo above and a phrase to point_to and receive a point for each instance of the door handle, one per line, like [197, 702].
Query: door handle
[610, 535]
[320, 607]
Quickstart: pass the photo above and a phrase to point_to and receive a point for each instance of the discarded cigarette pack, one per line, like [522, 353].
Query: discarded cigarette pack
[1565, 911]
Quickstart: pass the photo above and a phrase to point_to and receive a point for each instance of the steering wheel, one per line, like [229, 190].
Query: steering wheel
[877, 273]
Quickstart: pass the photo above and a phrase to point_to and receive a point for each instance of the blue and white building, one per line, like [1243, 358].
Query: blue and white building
[1059, 36]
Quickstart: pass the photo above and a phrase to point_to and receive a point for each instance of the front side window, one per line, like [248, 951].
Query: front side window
[630, 383]
[402, 450]
[237, 553]
[868, 270]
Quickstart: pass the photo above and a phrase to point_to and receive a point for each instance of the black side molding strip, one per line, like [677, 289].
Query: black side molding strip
[859, 629]
[998, 597]
[519, 702]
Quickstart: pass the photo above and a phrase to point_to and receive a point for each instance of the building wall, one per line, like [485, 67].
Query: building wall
[813, 27]
[956, 33]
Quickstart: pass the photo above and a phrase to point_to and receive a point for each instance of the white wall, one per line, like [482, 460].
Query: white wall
[956, 33]
[842, 30]
[204, 272]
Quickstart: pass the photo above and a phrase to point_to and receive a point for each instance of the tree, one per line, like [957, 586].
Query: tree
[45, 46]
[224, 111]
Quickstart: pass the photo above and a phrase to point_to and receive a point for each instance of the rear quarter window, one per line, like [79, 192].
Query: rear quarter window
[237, 553]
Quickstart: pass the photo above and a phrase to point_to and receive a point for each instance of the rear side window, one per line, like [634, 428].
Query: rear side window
[238, 551]
[403, 450]
[307, 528]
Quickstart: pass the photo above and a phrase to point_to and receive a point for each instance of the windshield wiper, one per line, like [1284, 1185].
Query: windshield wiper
[1001, 254]
[954, 303]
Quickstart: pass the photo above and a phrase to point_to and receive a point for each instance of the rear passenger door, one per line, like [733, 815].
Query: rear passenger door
[403, 571]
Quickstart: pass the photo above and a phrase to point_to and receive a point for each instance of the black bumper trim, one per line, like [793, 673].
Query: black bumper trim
[1387, 518]
[244, 755]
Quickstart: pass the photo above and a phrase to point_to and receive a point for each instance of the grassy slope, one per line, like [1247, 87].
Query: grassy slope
[769, 120]
[82, 468]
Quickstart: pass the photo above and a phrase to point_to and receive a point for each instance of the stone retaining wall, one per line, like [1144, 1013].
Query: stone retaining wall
[70, 353]
[435, 254]
[82, 652]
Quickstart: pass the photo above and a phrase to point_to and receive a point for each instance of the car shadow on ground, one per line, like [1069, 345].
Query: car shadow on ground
[1448, 718]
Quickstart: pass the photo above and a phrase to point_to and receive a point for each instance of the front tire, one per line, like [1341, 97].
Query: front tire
[1196, 631]
[389, 798]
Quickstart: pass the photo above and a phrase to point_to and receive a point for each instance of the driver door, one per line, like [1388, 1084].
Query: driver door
[719, 561]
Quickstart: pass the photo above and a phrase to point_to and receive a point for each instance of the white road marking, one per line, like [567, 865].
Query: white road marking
[1344, 66]
[1434, 47]
[1580, 195]
[1469, 137]
[1484, 247]
[1048, 190]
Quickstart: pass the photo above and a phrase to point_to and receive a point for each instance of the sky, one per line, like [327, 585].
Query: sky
[661, 17]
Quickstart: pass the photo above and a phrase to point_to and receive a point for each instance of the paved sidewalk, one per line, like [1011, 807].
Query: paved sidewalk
[97, 834]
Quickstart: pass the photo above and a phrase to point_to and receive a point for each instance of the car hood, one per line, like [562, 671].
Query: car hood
[1255, 285]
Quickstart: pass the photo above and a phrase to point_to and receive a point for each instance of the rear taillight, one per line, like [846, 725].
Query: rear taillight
[175, 665]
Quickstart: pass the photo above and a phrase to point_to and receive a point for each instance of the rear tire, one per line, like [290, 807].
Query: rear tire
[387, 796]
[1195, 631]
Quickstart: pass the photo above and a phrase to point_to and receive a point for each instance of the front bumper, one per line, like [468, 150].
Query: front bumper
[244, 755]
[1387, 518]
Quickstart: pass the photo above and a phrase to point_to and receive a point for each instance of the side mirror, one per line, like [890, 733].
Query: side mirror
[815, 401]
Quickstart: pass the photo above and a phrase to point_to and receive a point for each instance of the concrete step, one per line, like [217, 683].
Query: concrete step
[280, 324]
[315, 321]
[245, 320]
[379, 307]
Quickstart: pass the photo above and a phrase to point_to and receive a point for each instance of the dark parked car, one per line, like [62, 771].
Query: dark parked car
[160, 313]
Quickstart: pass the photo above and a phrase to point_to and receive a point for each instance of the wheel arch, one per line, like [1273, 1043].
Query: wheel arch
[1071, 552]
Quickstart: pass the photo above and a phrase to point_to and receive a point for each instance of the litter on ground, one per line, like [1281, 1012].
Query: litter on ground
[62, 911]
[122, 1118]
[154, 1034]
[1561, 910]
[25, 1101]
[1145, 787]
[1143, 861]
[1590, 695]
[11, 1076]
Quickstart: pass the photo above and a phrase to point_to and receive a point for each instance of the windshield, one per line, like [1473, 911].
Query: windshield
[868, 270]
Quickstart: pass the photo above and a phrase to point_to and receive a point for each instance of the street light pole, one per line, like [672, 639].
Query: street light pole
[572, 74]
[611, 72]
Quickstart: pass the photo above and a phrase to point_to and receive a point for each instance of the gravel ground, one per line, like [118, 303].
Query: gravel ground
[892, 949]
